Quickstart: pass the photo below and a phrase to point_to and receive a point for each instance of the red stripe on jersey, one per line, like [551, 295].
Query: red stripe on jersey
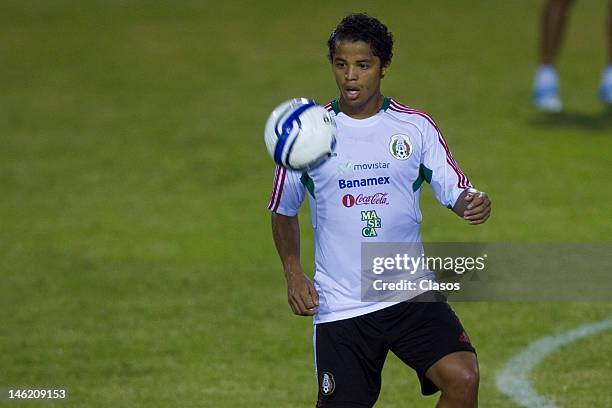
[405, 109]
[401, 105]
[280, 190]
[329, 107]
[275, 185]
[462, 180]
[460, 177]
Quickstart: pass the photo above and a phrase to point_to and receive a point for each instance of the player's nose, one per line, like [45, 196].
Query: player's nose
[351, 73]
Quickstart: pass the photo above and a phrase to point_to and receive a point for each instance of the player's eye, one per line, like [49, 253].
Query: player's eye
[340, 64]
[364, 66]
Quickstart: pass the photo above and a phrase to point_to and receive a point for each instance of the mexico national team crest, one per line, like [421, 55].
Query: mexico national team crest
[328, 384]
[400, 147]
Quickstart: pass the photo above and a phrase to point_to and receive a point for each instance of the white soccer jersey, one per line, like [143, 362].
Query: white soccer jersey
[367, 191]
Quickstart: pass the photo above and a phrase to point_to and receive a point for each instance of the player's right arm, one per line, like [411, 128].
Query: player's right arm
[287, 195]
[301, 293]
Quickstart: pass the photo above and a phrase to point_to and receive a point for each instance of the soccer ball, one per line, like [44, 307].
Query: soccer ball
[300, 134]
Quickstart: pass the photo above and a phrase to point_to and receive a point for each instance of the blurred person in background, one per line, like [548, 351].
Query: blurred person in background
[546, 83]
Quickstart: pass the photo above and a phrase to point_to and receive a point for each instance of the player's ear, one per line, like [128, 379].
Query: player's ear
[383, 70]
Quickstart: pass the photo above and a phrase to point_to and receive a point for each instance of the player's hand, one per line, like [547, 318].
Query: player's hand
[302, 296]
[478, 209]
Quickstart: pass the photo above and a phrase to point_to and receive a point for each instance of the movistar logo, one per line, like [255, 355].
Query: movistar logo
[348, 166]
[345, 167]
[370, 166]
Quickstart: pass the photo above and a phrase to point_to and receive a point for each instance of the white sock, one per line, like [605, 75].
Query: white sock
[606, 79]
[546, 77]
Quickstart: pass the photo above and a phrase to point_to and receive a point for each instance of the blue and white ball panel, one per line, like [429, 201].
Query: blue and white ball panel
[298, 133]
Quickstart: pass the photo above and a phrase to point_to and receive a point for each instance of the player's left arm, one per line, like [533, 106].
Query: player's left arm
[473, 206]
[451, 186]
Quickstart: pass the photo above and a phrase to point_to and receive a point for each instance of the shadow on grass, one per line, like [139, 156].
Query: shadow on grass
[575, 120]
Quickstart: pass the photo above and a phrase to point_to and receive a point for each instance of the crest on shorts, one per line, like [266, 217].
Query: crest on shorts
[327, 383]
[400, 146]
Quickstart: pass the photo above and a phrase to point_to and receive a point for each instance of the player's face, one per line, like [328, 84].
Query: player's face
[358, 73]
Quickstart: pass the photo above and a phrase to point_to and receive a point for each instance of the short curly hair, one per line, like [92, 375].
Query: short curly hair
[362, 27]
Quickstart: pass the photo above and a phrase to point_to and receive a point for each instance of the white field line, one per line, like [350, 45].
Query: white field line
[513, 379]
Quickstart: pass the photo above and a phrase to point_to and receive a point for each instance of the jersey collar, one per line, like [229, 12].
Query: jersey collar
[336, 106]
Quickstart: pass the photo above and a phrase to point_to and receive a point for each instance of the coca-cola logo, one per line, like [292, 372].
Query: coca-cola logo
[350, 200]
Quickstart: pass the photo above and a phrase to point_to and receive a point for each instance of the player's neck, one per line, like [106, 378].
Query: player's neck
[368, 109]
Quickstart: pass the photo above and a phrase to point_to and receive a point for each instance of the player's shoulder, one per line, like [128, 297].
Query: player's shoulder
[407, 114]
[332, 107]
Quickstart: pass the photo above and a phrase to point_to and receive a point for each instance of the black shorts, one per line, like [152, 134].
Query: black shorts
[350, 353]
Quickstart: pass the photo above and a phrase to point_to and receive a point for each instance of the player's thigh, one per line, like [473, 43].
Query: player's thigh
[349, 357]
[458, 369]
[432, 332]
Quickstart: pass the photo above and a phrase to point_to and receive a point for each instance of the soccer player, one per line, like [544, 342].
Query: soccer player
[546, 83]
[385, 151]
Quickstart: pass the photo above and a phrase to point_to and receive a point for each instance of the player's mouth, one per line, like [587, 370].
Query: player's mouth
[351, 93]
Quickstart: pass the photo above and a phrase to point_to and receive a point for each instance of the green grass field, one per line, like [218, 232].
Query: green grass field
[136, 261]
